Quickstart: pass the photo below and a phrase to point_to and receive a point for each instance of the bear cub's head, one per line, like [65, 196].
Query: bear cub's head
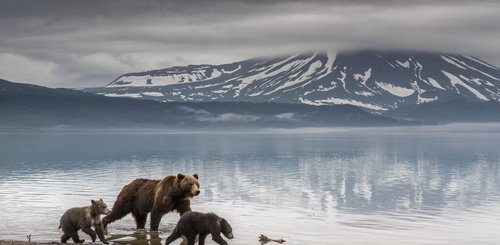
[99, 207]
[225, 228]
[189, 184]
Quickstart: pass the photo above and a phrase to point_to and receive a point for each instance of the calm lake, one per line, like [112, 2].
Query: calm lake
[307, 188]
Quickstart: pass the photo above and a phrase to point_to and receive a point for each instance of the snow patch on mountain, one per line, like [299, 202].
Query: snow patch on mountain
[306, 75]
[364, 93]
[457, 81]
[156, 94]
[324, 89]
[230, 72]
[130, 95]
[482, 62]
[342, 79]
[395, 90]
[435, 83]
[339, 101]
[405, 64]
[331, 56]
[421, 99]
[141, 81]
[363, 77]
[216, 73]
[453, 62]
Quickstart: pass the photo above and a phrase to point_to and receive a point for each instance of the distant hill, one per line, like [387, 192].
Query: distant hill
[457, 110]
[25, 105]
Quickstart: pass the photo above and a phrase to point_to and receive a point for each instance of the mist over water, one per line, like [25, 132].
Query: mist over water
[339, 187]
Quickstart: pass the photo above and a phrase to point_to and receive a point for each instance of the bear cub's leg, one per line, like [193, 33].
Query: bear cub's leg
[202, 239]
[90, 232]
[65, 237]
[76, 238]
[172, 237]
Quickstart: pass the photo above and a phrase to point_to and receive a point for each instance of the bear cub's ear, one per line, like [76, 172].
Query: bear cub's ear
[195, 175]
[93, 202]
[180, 176]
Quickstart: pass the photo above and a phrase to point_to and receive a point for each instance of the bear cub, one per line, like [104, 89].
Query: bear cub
[84, 218]
[193, 224]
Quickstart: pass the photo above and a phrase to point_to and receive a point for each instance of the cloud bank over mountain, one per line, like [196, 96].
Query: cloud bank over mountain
[60, 43]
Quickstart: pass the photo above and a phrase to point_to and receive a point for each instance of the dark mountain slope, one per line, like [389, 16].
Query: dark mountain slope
[24, 105]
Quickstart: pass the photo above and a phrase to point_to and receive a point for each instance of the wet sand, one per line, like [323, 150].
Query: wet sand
[136, 238]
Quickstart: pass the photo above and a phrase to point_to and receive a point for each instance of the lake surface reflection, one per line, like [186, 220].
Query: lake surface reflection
[332, 188]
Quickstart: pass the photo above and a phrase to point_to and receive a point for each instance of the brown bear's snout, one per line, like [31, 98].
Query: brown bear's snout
[196, 193]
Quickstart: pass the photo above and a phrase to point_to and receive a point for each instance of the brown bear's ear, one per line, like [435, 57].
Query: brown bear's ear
[195, 175]
[92, 201]
[101, 200]
[180, 176]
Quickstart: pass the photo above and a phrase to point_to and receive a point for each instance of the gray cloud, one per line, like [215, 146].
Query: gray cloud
[205, 116]
[230, 117]
[89, 43]
[197, 112]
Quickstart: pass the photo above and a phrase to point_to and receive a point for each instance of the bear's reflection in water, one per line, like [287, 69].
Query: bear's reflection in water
[139, 237]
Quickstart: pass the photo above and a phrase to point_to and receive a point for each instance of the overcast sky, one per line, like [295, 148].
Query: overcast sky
[60, 43]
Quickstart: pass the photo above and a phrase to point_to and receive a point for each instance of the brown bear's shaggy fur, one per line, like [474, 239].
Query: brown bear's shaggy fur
[84, 218]
[159, 197]
[194, 225]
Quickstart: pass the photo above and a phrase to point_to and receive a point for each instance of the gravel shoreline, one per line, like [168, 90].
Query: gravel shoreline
[7, 242]
[12, 242]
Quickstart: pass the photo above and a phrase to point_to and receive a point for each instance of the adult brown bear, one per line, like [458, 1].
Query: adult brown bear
[159, 197]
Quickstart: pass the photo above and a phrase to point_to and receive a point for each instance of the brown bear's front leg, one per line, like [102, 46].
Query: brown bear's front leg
[155, 238]
[90, 232]
[157, 212]
[155, 219]
[183, 206]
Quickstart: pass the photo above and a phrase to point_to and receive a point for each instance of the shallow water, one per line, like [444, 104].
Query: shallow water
[331, 188]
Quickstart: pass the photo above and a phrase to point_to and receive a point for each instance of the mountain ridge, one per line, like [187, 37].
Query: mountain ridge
[26, 105]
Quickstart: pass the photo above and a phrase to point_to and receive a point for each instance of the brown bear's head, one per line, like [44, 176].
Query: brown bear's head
[225, 228]
[189, 184]
[99, 207]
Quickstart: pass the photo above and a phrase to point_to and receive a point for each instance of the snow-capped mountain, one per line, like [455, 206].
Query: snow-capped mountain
[374, 80]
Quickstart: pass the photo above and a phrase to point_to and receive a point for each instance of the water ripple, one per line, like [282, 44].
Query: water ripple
[344, 190]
